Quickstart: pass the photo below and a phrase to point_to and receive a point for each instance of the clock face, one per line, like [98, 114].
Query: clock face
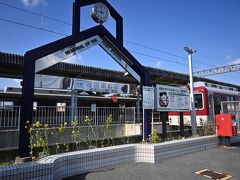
[100, 13]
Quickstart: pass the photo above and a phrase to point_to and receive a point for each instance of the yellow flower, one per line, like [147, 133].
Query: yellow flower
[45, 125]
[60, 129]
[65, 123]
[38, 124]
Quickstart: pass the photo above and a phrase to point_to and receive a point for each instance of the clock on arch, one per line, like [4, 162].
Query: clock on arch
[100, 13]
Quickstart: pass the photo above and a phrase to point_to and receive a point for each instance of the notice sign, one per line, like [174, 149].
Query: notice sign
[172, 98]
[148, 97]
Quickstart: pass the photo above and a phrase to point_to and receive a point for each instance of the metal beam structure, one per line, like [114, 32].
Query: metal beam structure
[218, 70]
[11, 66]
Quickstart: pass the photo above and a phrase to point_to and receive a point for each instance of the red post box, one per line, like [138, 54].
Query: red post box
[226, 125]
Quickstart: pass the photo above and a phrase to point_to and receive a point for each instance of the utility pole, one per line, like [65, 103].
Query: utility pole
[192, 102]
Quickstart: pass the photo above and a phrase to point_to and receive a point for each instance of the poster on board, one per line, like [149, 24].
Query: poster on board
[170, 98]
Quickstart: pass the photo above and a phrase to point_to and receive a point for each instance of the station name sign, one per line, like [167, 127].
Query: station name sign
[66, 53]
[101, 86]
[122, 61]
[79, 47]
[83, 45]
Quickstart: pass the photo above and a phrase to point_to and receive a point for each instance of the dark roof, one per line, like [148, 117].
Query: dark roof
[11, 65]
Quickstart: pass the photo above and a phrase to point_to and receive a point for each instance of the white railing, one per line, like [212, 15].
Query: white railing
[52, 115]
[9, 116]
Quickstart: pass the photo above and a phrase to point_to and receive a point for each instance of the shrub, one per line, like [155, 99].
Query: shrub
[153, 137]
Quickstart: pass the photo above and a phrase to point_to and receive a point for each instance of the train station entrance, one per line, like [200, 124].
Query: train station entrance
[46, 56]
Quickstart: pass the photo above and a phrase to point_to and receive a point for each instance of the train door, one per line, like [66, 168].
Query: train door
[211, 108]
[217, 103]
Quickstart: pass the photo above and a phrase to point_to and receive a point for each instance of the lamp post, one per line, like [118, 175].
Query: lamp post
[192, 103]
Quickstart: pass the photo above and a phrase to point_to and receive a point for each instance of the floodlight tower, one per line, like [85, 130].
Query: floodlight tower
[192, 103]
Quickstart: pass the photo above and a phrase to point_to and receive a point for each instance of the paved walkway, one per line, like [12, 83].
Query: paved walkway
[221, 159]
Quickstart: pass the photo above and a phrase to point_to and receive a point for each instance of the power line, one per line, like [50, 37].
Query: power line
[155, 57]
[33, 27]
[147, 47]
[67, 23]
[34, 13]
[164, 52]
[62, 34]
[130, 42]
[47, 30]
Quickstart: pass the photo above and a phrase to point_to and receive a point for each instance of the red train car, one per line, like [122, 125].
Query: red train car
[208, 98]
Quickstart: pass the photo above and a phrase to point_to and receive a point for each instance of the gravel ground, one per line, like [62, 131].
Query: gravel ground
[221, 159]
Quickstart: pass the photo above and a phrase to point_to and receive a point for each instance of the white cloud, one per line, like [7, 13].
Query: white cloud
[77, 59]
[236, 61]
[228, 57]
[158, 64]
[33, 3]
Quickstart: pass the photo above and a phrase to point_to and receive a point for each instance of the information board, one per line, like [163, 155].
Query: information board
[148, 97]
[172, 98]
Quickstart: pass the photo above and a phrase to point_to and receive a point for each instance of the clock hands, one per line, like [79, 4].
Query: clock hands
[100, 13]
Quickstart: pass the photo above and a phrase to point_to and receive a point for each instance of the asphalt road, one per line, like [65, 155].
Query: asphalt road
[222, 159]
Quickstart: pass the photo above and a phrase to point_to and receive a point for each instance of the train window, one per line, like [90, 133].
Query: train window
[198, 101]
[230, 102]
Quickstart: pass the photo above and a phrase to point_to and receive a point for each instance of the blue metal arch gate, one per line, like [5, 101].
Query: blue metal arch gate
[33, 55]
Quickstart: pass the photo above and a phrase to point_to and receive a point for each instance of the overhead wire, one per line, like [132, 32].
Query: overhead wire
[155, 57]
[164, 52]
[130, 42]
[67, 23]
[135, 52]
[34, 13]
[31, 26]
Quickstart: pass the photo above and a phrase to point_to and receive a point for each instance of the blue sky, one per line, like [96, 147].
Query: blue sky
[209, 26]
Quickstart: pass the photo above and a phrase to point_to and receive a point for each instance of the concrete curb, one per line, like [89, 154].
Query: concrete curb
[74, 163]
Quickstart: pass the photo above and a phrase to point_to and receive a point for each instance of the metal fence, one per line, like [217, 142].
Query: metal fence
[231, 107]
[9, 116]
[53, 115]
